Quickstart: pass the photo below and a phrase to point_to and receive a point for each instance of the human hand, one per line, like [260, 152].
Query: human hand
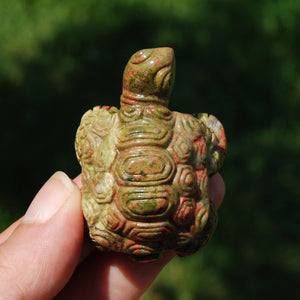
[44, 254]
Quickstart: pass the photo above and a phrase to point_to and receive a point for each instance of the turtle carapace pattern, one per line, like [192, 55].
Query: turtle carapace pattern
[145, 168]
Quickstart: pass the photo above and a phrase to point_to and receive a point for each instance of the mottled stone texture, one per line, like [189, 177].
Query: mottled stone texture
[145, 168]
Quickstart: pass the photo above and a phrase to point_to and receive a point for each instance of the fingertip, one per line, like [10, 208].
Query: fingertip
[77, 181]
[8, 231]
[45, 248]
[50, 198]
[217, 189]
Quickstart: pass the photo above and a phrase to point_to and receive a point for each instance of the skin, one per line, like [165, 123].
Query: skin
[44, 254]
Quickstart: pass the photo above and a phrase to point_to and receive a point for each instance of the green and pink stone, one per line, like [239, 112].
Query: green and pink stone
[145, 168]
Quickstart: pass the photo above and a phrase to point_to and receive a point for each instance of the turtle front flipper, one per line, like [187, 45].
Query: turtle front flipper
[95, 125]
[95, 148]
[216, 142]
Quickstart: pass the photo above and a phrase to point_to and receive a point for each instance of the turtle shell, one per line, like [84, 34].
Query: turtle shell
[145, 168]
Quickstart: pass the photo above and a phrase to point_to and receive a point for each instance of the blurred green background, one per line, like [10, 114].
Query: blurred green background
[239, 60]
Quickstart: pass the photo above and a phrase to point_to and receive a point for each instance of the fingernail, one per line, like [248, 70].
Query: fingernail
[49, 199]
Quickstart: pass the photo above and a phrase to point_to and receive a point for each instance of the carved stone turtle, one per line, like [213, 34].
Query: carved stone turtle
[145, 168]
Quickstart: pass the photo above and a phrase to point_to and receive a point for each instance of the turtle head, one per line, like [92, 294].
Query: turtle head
[149, 76]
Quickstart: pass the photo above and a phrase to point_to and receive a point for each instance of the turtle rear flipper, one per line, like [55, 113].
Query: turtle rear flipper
[195, 239]
[216, 141]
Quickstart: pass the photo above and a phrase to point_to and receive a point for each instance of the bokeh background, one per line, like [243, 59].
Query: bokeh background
[238, 60]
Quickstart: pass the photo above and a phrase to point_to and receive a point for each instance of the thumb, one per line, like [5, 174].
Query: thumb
[40, 255]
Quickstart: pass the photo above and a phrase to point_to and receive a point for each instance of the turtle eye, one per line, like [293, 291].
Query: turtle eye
[141, 56]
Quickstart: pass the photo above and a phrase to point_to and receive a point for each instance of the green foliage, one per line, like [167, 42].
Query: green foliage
[238, 60]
